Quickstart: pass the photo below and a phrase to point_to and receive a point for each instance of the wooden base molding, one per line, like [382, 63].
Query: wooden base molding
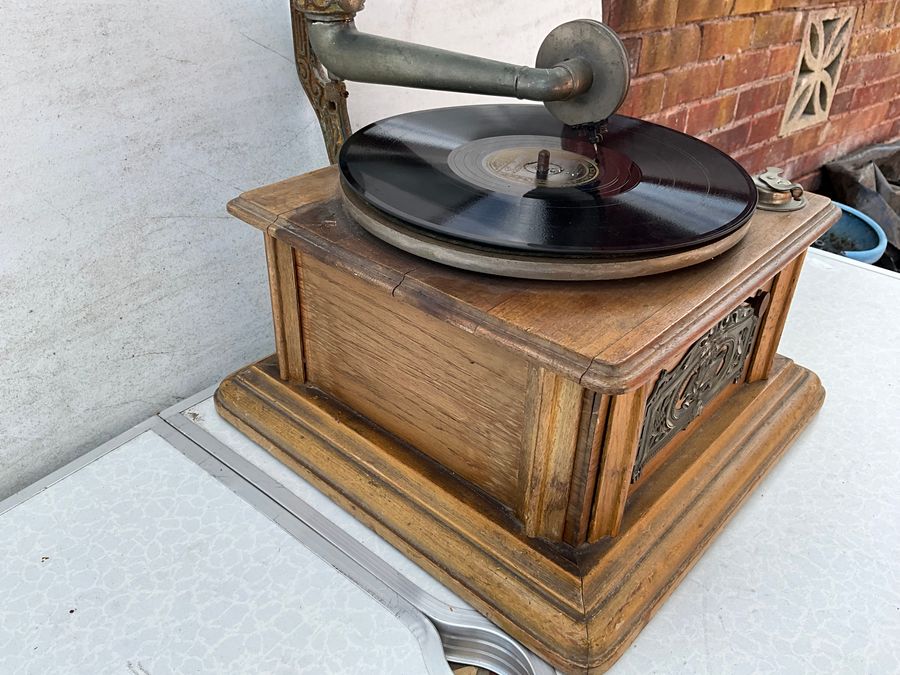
[580, 608]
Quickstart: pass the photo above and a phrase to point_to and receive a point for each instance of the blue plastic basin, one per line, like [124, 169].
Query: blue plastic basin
[869, 240]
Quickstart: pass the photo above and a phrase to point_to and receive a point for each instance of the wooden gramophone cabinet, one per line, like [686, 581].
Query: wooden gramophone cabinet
[559, 454]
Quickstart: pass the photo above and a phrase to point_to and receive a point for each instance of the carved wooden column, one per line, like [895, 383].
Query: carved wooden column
[328, 97]
[284, 289]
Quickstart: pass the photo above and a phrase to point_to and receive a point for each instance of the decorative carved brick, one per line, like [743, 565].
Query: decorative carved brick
[826, 40]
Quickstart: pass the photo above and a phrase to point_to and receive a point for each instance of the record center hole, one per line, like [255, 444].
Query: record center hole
[554, 168]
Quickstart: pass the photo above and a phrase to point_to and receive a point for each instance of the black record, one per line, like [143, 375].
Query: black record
[472, 174]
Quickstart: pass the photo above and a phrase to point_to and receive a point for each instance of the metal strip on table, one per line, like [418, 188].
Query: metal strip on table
[467, 636]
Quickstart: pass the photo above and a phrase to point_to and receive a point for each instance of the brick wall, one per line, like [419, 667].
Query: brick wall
[722, 70]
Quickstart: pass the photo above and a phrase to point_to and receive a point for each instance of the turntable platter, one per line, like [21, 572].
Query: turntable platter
[472, 175]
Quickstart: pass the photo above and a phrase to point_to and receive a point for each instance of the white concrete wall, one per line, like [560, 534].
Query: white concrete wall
[125, 127]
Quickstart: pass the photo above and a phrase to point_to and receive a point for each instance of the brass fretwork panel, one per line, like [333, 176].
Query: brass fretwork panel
[679, 396]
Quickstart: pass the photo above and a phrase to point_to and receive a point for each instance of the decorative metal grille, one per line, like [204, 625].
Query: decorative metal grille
[826, 40]
[679, 395]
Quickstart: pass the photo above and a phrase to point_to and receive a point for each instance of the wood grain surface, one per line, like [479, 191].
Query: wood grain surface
[594, 417]
[609, 335]
[769, 333]
[455, 396]
[626, 417]
[552, 424]
[284, 289]
[581, 614]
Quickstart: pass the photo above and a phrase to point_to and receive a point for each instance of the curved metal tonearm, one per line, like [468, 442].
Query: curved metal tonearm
[581, 73]
[350, 55]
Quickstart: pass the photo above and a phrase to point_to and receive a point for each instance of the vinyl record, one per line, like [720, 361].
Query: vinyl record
[472, 174]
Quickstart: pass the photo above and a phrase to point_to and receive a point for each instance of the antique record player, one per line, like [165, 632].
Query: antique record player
[533, 346]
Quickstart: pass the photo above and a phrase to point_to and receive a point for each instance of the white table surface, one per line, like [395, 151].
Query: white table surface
[140, 562]
[804, 579]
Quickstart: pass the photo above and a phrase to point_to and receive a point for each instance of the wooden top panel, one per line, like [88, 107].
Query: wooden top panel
[609, 335]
